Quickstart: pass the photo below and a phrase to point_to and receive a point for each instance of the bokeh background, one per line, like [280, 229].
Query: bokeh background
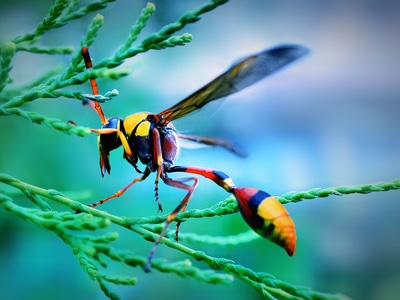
[330, 119]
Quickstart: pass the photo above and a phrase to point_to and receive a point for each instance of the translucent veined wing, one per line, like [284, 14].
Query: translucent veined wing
[209, 141]
[241, 75]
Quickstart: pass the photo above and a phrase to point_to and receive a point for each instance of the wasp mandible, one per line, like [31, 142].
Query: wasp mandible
[152, 140]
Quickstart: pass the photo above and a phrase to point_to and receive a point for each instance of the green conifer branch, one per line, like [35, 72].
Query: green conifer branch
[229, 240]
[73, 12]
[54, 123]
[50, 21]
[162, 39]
[92, 249]
[92, 32]
[46, 50]
[137, 28]
[340, 190]
[61, 12]
[7, 52]
[229, 205]
[80, 231]
[59, 15]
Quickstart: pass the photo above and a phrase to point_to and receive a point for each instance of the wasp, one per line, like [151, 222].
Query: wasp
[151, 140]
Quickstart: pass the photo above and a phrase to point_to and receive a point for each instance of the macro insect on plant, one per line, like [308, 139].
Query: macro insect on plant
[153, 140]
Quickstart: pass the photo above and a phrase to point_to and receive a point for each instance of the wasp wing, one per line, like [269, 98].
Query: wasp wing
[241, 75]
[209, 141]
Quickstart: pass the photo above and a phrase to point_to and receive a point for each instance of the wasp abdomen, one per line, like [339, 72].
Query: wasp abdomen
[267, 216]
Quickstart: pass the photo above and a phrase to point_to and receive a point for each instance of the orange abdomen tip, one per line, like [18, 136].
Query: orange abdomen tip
[267, 216]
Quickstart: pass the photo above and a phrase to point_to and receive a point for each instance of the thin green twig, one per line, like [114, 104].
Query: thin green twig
[96, 250]
[264, 283]
[340, 190]
[55, 123]
[163, 38]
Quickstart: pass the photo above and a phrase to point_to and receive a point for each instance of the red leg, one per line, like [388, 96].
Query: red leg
[178, 183]
[218, 177]
[158, 165]
[123, 190]
[128, 153]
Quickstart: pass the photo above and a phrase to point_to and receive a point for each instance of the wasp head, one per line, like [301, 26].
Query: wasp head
[109, 141]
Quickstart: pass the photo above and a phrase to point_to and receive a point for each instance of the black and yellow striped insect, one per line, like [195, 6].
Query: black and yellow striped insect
[152, 140]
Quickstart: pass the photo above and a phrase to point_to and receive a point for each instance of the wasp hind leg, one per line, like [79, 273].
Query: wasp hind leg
[180, 183]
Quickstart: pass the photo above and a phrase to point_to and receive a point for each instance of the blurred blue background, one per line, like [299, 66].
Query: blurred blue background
[330, 119]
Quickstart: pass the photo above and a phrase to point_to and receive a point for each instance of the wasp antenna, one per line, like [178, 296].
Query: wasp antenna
[88, 63]
[93, 104]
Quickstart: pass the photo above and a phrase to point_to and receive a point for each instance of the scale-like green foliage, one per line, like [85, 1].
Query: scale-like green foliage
[80, 231]
[93, 249]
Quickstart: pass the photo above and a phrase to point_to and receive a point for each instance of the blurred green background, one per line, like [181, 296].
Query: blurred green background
[330, 119]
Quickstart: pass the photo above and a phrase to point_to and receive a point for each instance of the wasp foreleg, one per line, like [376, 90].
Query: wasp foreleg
[123, 190]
